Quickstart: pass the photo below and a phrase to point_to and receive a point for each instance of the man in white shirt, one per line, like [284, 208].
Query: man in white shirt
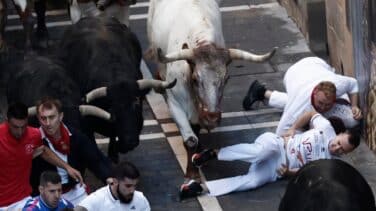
[273, 156]
[121, 194]
[311, 84]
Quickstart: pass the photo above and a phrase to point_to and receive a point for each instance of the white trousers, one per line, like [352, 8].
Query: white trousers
[266, 155]
[16, 205]
[76, 194]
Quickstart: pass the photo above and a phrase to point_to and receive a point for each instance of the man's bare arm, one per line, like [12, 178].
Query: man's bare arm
[357, 113]
[302, 121]
[52, 158]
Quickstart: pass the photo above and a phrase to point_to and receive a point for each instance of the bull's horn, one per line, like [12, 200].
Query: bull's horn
[94, 111]
[245, 55]
[96, 93]
[32, 111]
[174, 56]
[21, 3]
[157, 85]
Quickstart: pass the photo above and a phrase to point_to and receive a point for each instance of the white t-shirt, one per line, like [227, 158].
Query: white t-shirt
[102, 200]
[300, 80]
[312, 144]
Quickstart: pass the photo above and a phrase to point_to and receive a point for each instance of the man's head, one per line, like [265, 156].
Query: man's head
[17, 119]
[126, 177]
[50, 188]
[345, 142]
[324, 96]
[50, 115]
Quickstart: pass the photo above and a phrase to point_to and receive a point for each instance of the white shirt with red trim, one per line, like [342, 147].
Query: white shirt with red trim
[312, 144]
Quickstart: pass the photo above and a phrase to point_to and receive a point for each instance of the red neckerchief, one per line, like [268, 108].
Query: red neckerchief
[312, 99]
[63, 144]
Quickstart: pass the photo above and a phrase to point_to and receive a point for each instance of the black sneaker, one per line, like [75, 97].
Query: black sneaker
[189, 190]
[255, 93]
[200, 158]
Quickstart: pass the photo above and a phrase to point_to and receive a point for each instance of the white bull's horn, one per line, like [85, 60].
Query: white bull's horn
[174, 56]
[21, 3]
[96, 93]
[86, 110]
[245, 55]
[32, 111]
[155, 84]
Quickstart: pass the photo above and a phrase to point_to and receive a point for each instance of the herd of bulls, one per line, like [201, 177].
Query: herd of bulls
[96, 74]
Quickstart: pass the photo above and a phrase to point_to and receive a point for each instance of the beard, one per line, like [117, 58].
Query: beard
[122, 199]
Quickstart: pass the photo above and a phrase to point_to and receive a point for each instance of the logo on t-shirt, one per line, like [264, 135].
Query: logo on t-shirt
[29, 148]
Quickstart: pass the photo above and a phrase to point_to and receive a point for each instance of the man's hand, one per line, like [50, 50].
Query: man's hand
[283, 170]
[75, 174]
[290, 132]
[357, 113]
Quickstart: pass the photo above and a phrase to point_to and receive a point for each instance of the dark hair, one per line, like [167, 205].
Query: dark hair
[125, 170]
[354, 133]
[49, 103]
[17, 110]
[337, 124]
[49, 177]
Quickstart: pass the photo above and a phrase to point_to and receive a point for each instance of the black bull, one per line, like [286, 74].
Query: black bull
[100, 52]
[39, 77]
[328, 185]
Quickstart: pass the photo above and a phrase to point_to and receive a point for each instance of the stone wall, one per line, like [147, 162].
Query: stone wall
[371, 113]
[339, 36]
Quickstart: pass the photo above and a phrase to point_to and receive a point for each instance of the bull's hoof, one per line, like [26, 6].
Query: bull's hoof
[192, 144]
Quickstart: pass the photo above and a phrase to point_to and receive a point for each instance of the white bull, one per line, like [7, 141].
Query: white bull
[189, 32]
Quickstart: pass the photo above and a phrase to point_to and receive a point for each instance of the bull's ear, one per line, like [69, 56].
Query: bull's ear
[190, 61]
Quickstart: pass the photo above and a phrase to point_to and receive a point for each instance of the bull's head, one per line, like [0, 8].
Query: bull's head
[208, 65]
[126, 107]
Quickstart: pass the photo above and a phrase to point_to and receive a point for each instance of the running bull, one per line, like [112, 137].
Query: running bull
[187, 34]
[37, 77]
[103, 55]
